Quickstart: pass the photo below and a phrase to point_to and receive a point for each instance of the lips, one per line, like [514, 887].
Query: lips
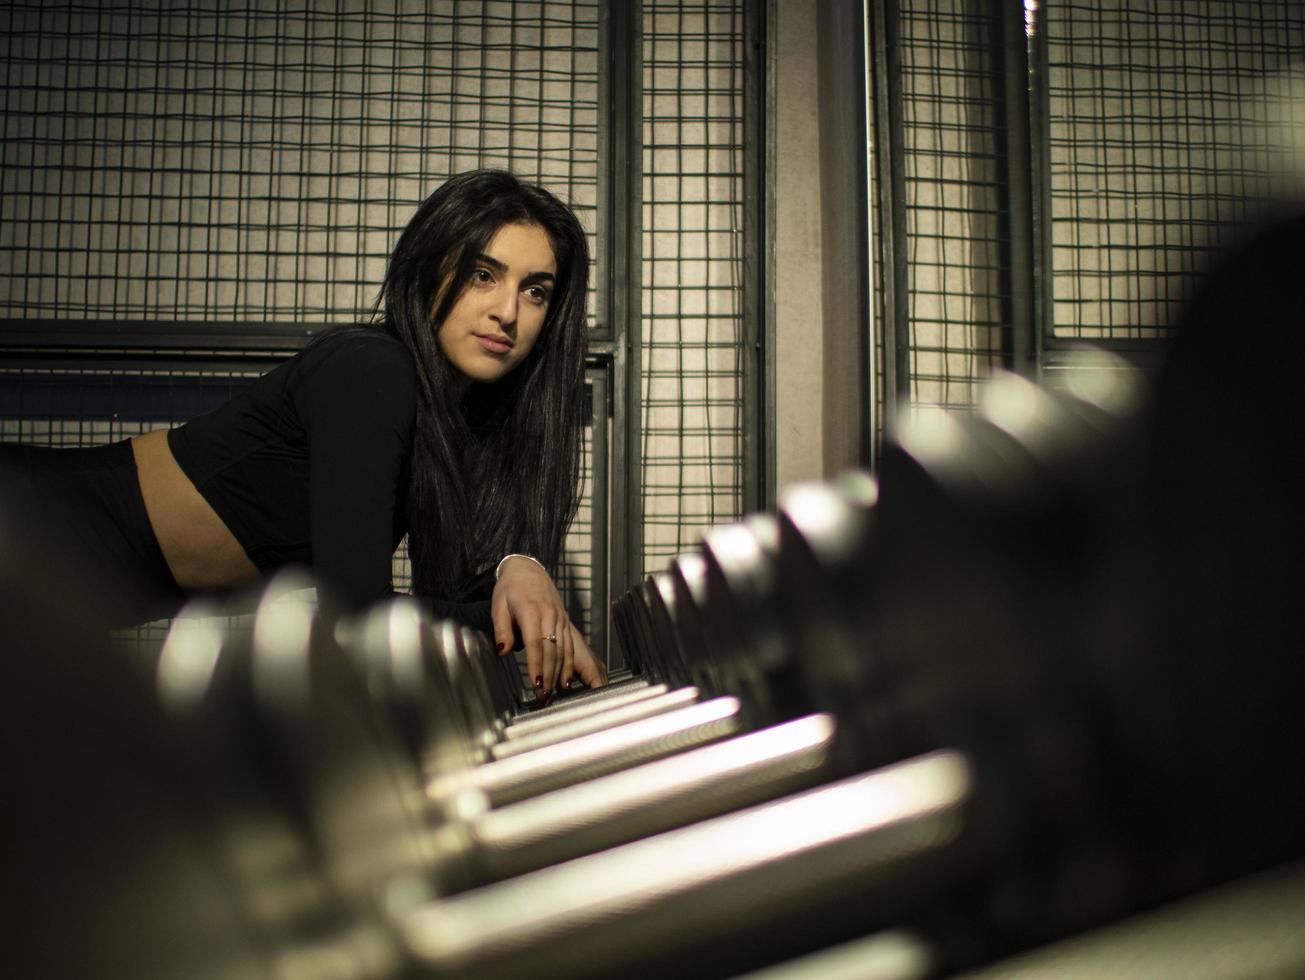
[493, 344]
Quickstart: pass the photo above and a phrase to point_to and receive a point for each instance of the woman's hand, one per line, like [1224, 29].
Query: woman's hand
[526, 596]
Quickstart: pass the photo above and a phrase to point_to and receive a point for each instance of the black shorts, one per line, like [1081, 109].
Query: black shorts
[84, 531]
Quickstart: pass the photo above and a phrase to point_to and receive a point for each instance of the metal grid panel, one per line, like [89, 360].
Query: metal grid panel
[951, 145]
[692, 355]
[1158, 138]
[203, 162]
[256, 162]
[85, 407]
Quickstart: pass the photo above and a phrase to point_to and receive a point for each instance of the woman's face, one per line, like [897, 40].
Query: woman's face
[496, 319]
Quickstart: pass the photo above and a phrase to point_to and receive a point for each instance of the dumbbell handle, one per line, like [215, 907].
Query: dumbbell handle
[566, 727]
[575, 698]
[601, 914]
[554, 766]
[536, 721]
[651, 798]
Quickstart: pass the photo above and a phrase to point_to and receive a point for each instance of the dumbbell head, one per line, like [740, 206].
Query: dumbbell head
[633, 623]
[407, 676]
[323, 754]
[687, 578]
[657, 602]
[497, 678]
[109, 855]
[824, 595]
[630, 628]
[994, 556]
[738, 618]
[1227, 477]
[1025, 611]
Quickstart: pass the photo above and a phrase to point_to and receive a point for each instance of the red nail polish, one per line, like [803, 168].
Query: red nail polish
[500, 646]
[539, 681]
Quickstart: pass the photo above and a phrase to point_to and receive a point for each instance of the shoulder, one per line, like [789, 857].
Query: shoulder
[357, 348]
[359, 366]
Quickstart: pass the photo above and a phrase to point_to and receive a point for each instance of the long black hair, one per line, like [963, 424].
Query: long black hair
[496, 466]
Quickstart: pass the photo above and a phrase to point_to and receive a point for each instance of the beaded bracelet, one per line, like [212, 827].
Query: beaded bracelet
[499, 569]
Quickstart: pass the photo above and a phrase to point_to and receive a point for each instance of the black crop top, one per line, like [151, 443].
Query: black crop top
[309, 465]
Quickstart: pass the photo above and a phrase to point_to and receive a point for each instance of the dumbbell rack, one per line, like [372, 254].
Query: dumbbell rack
[813, 768]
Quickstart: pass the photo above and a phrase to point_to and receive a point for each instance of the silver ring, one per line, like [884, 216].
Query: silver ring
[551, 637]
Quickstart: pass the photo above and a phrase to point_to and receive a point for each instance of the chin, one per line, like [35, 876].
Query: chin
[485, 373]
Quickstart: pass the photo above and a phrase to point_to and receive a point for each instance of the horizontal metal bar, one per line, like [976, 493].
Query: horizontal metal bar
[91, 397]
[543, 770]
[601, 914]
[71, 339]
[178, 335]
[571, 700]
[568, 728]
[523, 725]
[652, 798]
[1142, 353]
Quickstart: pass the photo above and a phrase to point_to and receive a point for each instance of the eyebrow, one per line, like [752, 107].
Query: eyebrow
[498, 266]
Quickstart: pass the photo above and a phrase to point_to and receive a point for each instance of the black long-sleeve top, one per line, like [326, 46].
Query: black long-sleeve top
[310, 465]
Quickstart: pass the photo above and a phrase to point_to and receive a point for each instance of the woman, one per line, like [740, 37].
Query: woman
[454, 417]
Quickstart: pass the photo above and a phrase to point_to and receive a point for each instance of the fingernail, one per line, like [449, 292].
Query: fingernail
[501, 645]
[539, 681]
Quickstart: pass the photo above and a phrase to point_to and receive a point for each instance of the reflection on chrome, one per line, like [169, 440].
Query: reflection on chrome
[814, 507]
[594, 703]
[859, 487]
[283, 627]
[403, 642]
[189, 655]
[821, 511]
[734, 543]
[892, 955]
[803, 743]
[607, 751]
[929, 433]
[1105, 380]
[566, 729]
[1015, 404]
[746, 864]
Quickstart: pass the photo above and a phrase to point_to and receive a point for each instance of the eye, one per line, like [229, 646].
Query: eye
[481, 276]
[537, 294]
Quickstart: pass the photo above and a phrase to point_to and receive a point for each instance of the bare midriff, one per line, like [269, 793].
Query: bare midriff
[200, 549]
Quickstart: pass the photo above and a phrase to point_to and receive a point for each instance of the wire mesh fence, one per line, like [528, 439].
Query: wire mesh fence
[1161, 136]
[692, 336]
[254, 163]
[1167, 123]
[951, 149]
[213, 161]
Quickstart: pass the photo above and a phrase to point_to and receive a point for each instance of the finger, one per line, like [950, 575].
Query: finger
[552, 662]
[530, 634]
[501, 618]
[590, 669]
[566, 647]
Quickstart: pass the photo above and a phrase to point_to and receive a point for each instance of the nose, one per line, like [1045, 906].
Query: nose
[503, 307]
